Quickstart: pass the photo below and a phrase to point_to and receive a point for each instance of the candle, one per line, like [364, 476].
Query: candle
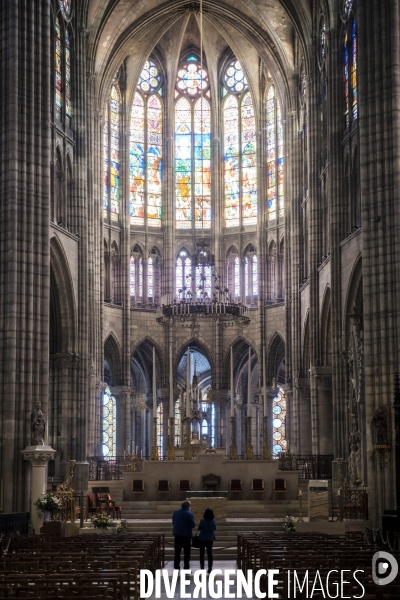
[249, 380]
[124, 454]
[300, 493]
[171, 390]
[136, 450]
[232, 396]
[265, 383]
[141, 454]
[154, 384]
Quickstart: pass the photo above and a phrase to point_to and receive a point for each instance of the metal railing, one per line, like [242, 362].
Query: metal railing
[310, 466]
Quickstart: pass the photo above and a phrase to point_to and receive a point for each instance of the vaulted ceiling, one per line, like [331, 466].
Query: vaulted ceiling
[129, 30]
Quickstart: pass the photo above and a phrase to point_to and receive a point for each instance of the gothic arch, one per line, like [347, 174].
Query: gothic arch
[63, 297]
[305, 355]
[201, 346]
[113, 354]
[240, 348]
[353, 295]
[142, 361]
[275, 360]
[326, 329]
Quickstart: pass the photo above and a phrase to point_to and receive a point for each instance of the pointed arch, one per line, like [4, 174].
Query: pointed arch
[113, 354]
[63, 293]
[305, 363]
[142, 365]
[276, 360]
[326, 329]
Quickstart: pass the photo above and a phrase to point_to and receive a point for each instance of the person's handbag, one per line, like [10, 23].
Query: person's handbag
[196, 542]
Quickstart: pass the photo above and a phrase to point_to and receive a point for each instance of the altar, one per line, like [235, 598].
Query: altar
[194, 470]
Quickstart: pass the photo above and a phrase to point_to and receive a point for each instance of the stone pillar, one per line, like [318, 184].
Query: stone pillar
[324, 423]
[39, 457]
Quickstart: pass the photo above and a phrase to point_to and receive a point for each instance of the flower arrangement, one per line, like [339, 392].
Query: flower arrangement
[102, 521]
[122, 527]
[48, 502]
[288, 523]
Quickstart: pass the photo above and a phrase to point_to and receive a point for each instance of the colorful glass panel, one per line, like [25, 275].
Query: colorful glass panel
[347, 6]
[68, 106]
[346, 77]
[150, 278]
[203, 281]
[281, 192]
[279, 423]
[246, 277]
[150, 78]
[231, 161]
[213, 436]
[249, 162]
[58, 72]
[160, 429]
[235, 79]
[183, 163]
[154, 158]
[65, 6]
[192, 79]
[105, 165]
[354, 70]
[132, 277]
[183, 274]
[202, 164]
[109, 423]
[255, 276]
[140, 278]
[271, 155]
[114, 159]
[177, 423]
[137, 162]
[237, 277]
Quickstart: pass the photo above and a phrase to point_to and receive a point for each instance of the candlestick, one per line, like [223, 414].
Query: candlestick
[232, 395]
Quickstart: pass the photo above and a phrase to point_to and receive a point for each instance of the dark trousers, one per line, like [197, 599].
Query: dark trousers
[179, 543]
[206, 544]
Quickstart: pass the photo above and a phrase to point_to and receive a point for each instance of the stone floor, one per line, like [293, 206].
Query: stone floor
[222, 565]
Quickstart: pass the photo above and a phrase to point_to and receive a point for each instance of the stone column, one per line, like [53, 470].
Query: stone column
[324, 427]
[39, 457]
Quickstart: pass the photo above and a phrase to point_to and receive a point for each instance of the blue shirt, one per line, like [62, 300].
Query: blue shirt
[183, 522]
[207, 529]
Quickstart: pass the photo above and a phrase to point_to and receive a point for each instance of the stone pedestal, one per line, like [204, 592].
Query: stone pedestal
[38, 456]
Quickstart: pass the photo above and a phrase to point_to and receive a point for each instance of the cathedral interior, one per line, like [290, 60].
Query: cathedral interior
[198, 233]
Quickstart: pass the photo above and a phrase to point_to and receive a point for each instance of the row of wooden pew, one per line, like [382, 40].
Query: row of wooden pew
[335, 558]
[94, 567]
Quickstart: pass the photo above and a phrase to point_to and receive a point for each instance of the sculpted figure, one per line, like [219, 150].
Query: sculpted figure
[38, 425]
[381, 425]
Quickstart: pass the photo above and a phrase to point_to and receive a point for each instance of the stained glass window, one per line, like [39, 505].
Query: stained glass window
[150, 278]
[136, 275]
[354, 70]
[68, 106]
[114, 147]
[240, 158]
[160, 429]
[255, 275]
[58, 72]
[237, 277]
[146, 149]
[192, 148]
[347, 6]
[132, 277]
[346, 77]
[251, 277]
[279, 422]
[65, 6]
[213, 436]
[246, 276]
[177, 423]
[275, 158]
[105, 165]
[183, 275]
[109, 423]
[140, 278]
[203, 281]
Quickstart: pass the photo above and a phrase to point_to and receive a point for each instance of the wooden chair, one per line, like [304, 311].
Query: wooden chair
[279, 489]
[257, 487]
[112, 508]
[163, 487]
[235, 487]
[91, 505]
[184, 486]
[137, 487]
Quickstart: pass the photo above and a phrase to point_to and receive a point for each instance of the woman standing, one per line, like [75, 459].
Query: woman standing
[207, 526]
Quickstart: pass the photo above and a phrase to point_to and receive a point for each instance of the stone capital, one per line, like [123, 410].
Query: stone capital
[322, 376]
[65, 360]
[38, 455]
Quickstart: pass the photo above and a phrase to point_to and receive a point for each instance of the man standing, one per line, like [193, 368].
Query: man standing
[183, 523]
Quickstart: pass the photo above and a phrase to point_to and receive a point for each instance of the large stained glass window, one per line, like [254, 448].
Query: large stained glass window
[354, 70]
[192, 147]
[58, 72]
[109, 423]
[279, 422]
[350, 71]
[150, 278]
[237, 277]
[111, 156]
[251, 277]
[68, 106]
[275, 161]
[183, 275]
[240, 158]
[160, 429]
[177, 423]
[136, 276]
[346, 77]
[203, 281]
[146, 149]
[65, 6]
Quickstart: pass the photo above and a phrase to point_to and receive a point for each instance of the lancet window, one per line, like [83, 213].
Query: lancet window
[109, 423]
[111, 156]
[275, 182]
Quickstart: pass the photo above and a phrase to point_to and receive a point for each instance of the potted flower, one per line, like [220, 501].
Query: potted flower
[102, 521]
[288, 524]
[48, 504]
[122, 527]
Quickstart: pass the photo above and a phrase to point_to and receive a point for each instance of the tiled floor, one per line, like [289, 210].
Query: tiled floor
[222, 565]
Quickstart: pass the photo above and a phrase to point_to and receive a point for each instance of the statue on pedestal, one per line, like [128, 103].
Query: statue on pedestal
[38, 425]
